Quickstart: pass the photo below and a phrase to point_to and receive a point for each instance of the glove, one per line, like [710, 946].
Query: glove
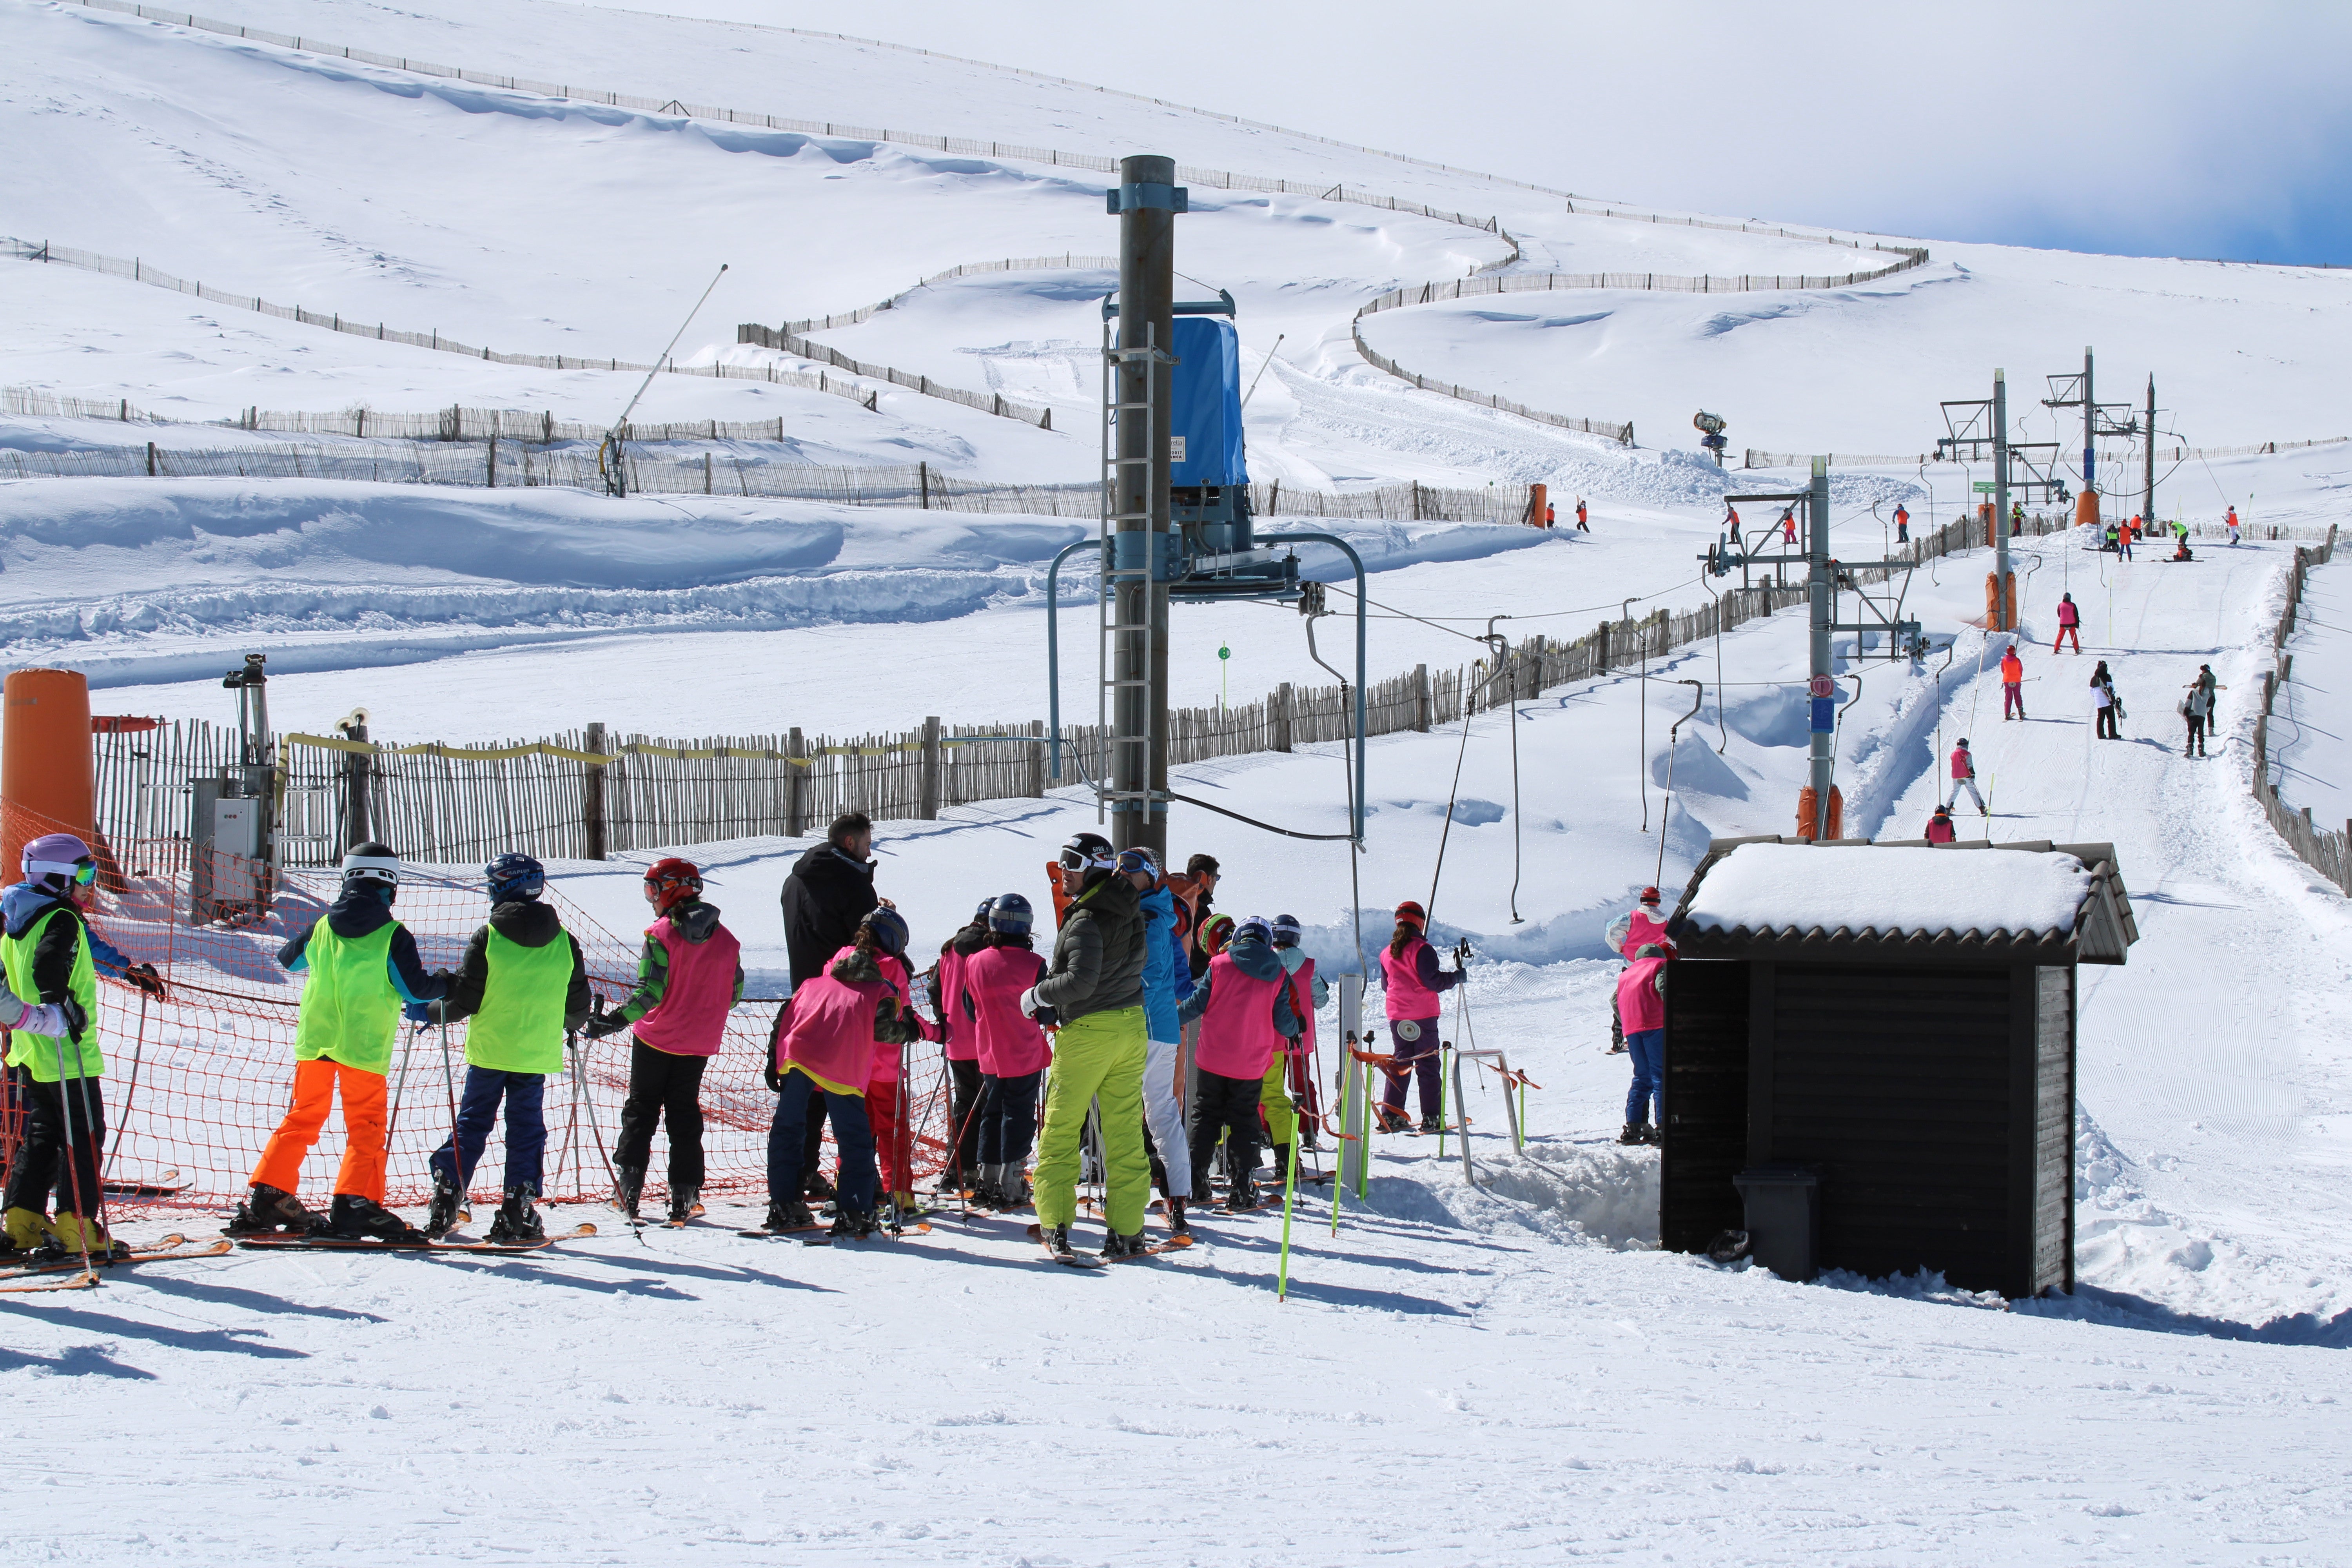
[142, 977]
[601, 1023]
[74, 1018]
[418, 1012]
[1029, 1003]
[772, 1077]
[1046, 1017]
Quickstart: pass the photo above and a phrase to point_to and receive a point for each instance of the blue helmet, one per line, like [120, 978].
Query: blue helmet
[1254, 929]
[513, 877]
[889, 930]
[979, 915]
[1011, 914]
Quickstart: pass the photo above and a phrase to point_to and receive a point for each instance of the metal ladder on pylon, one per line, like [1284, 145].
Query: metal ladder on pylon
[1106, 622]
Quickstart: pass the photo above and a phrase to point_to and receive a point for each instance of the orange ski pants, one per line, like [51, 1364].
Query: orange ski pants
[314, 1092]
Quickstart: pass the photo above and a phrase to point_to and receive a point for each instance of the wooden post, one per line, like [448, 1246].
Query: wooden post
[1281, 716]
[492, 479]
[592, 795]
[931, 759]
[796, 783]
[1423, 703]
[1035, 771]
[1601, 650]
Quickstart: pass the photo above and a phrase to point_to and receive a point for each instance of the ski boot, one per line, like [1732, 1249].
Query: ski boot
[816, 1186]
[1056, 1238]
[1433, 1124]
[851, 1225]
[267, 1210]
[1118, 1245]
[1393, 1118]
[1177, 1224]
[28, 1230]
[1656, 1137]
[441, 1218]
[682, 1203]
[1243, 1195]
[628, 1186]
[1636, 1133]
[80, 1233]
[518, 1220]
[355, 1218]
[791, 1215]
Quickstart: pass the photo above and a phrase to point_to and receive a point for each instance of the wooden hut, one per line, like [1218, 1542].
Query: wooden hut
[1876, 1041]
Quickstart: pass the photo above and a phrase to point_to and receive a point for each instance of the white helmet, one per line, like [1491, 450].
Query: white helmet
[371, 862]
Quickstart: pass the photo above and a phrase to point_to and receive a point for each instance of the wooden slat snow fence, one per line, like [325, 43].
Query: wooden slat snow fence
[2326, 852]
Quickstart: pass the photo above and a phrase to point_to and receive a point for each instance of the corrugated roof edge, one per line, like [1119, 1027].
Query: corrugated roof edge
[2103, 927]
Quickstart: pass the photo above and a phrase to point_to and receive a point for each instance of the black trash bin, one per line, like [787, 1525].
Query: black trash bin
[1784, 1217]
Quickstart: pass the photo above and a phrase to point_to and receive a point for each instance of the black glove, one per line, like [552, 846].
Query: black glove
[143, 977]
[772, 1077]
[77, 1021]
[601, 1023]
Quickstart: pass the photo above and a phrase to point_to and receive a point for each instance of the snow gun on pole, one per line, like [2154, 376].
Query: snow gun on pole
[608, 452]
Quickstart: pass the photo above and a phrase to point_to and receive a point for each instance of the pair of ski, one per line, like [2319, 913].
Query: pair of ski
[85, 1274]
[283, 1241]
[1086, 1260]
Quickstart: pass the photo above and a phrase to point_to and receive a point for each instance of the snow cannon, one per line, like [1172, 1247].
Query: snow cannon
[1711, 427]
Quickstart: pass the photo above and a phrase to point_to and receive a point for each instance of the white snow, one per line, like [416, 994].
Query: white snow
[1889, 891]
[1500, 1374]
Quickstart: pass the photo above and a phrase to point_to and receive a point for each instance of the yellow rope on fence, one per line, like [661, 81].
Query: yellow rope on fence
[636, 749]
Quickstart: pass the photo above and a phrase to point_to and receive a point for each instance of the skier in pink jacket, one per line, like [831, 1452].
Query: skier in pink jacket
[1641, 1003]
[1013, 1054]
[1964, 776]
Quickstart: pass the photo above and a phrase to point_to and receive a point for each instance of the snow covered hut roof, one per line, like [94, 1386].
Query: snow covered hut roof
[2013, 903]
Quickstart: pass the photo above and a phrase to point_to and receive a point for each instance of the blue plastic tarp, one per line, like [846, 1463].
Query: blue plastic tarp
[1205, 424]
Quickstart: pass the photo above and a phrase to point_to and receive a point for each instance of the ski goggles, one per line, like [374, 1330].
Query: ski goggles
[1074, 857]
[83, 872]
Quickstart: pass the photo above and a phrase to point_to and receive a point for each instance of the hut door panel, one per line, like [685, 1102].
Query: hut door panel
[1895, 1083]
[2053, 1129]
[1707, 1103]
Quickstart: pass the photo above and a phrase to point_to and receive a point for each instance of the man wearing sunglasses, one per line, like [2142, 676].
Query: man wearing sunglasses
[1094, 992]
[52, 956]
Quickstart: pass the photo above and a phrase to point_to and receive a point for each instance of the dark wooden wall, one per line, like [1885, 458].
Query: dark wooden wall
[1707, 1103]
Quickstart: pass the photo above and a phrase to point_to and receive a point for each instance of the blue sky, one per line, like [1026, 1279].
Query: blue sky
[2153, 129]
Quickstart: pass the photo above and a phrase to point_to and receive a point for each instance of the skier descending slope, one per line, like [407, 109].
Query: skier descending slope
[1411, 984]
[963, 1047]
[524, 984]
[1167, 981]
[1093, 992]
[1243, 1006]
[53, 957]
[363, 966]
[688, 976]
[1640, 1001]
[1013, 1051]
[822, 1047]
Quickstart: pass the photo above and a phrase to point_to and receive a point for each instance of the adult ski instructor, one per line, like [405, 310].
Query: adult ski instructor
[1094, 992]
[826, 898]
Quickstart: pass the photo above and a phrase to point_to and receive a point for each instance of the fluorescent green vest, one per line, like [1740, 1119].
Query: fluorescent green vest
[520, 1026]
[40, 1053]
[350, 1011]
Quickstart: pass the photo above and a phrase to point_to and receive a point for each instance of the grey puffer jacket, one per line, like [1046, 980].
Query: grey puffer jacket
[1098, 952]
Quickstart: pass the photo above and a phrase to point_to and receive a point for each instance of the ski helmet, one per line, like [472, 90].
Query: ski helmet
[889, 929]
[1964, 742]
[1649, 895]
[57, 861]
[1215, 932]
[372, 865]
[979, 915]
[671, 882]
[513, 877]
[1285, 931]
[1256, 928]
[1010, 913]
[1087, 852]
[1413, 914]
[1139, 859]
[1651, 949]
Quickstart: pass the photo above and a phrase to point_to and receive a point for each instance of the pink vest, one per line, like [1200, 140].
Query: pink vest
[1008, 1045]
[692, 1014]
[1302, 1003]
[1963, 766]
[2067, 614]
[1639, 1006]
[1641, 929]
[947, 993]
[828, 1032]
[1237, 1034]
[1401, 980]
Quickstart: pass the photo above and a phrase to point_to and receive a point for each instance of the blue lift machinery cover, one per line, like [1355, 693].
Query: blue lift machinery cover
[1204, 436]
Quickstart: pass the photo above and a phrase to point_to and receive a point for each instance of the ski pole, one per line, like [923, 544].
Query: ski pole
[73, 1167]
[458, 1173]
[1289, 1196]
[400, 1085]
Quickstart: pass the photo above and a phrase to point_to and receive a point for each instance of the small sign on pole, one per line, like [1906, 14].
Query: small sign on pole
[1982, 487]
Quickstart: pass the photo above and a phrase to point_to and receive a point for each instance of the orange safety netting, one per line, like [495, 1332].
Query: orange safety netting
[197, 1080]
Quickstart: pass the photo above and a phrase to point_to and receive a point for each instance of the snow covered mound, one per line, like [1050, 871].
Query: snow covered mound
[1890, 891]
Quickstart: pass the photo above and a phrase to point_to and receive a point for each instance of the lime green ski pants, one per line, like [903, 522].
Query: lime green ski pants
[1096, 1058]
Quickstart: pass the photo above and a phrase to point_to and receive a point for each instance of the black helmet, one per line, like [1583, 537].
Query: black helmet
[1088, 852]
